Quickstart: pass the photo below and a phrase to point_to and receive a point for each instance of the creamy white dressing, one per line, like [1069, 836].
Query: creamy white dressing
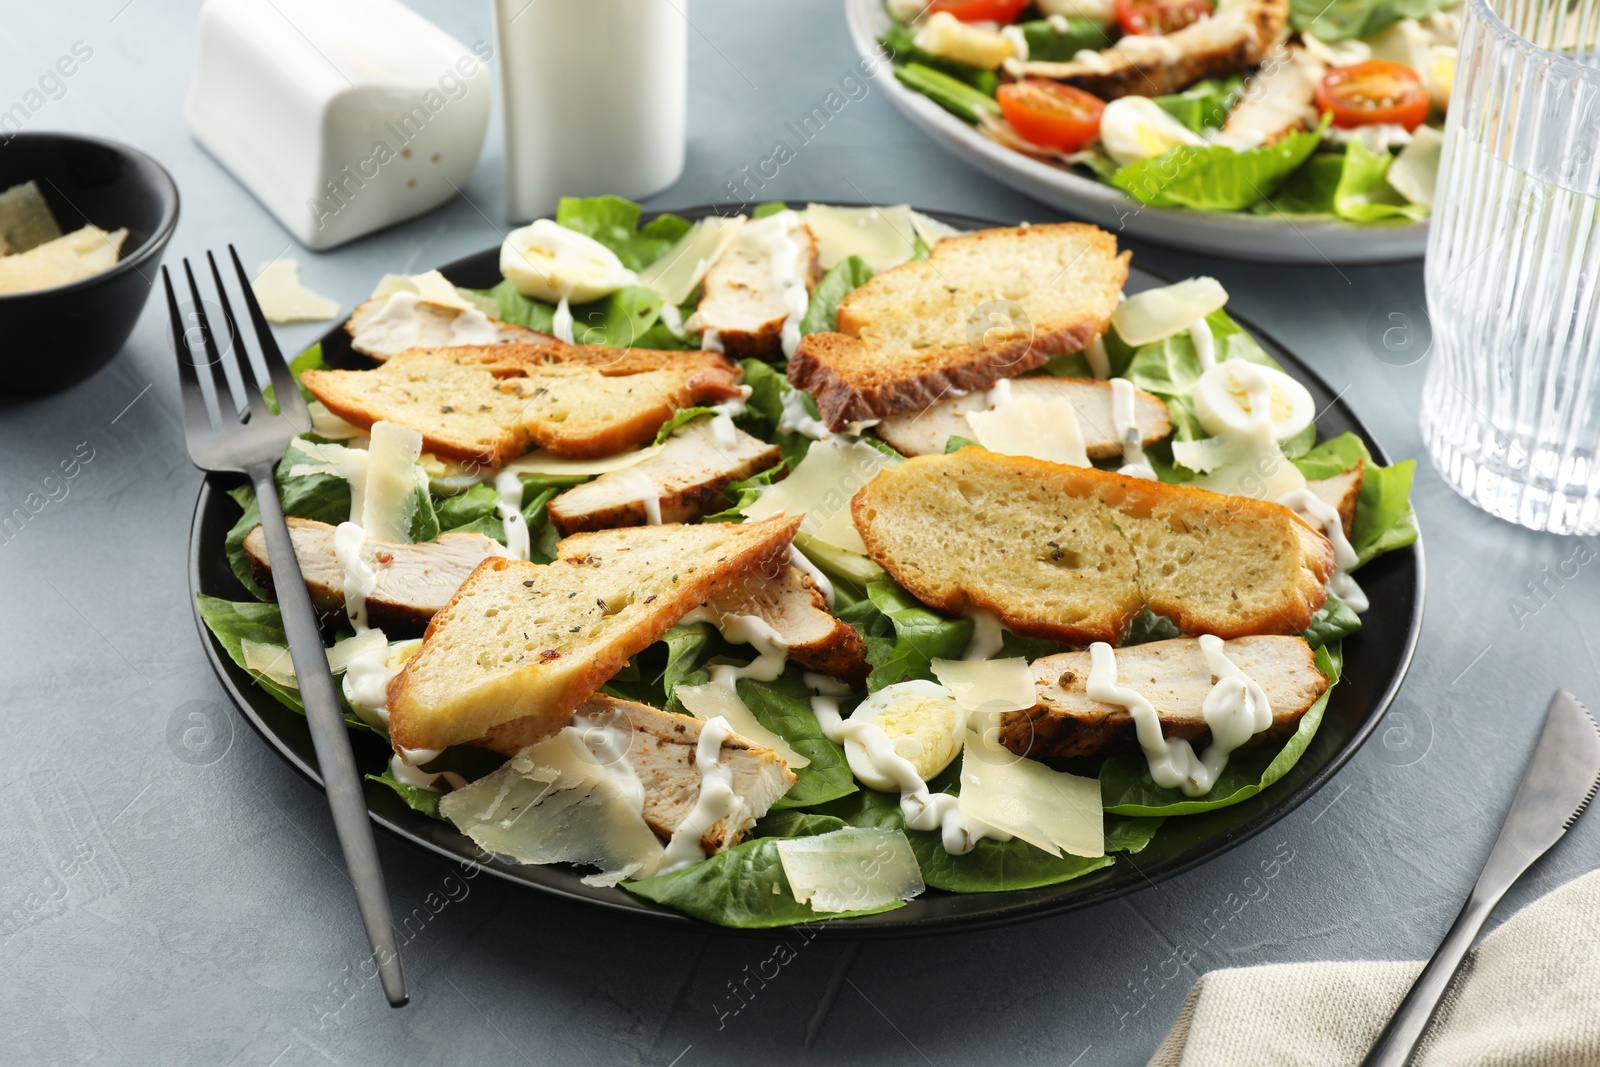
[921, 808]
[798, 560]
[359, 577]
[419, 779]
[1097, 358]
[637, 482]
[672, 319]
[1236, 709]
[717, 800]
[724, 434]
[771, 651]
[797, 418]
[1319, 512]
[1126, 428]
[783, 253]
[416, 757]
[711, 341]
[1092, 61]
[1019, 42]
[988, 636]
[608, 746]
[366, 685]
[1058, 23]
[1205, 344]
[509, 486]
[398, 325]
[561, 322]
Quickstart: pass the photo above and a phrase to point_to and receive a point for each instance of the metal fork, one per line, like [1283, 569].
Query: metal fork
[251, 443]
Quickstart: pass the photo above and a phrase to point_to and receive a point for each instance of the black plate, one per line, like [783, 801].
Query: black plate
[1376, 660]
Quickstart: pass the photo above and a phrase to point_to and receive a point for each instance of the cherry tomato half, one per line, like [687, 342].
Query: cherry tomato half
[1159, 17]
[1051, 114]
[1001, 11]
[1374, 92]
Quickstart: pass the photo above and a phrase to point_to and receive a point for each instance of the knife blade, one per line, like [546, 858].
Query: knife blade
[1557, 785]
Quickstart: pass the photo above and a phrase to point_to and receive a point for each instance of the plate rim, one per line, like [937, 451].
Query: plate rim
[1213, 232]
[869, 927]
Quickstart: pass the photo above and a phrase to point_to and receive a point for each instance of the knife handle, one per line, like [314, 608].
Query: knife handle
[1399, 1039]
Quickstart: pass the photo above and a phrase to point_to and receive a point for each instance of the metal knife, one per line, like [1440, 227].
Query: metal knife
[1560, 781]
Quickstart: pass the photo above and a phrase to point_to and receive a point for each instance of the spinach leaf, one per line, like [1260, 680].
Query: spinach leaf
[1127, 789]
[623, 319]
[1050, 45]
[234, 622]
[1333, 622]
[921, 636]
[423, 800]
[991, 866]
[1343, 20]
[1170, 368]
[784, 707]
[744, 887]
[790, 822]
[842, 279]
[1384, 517]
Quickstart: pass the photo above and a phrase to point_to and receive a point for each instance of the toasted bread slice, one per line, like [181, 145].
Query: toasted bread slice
[1231, 41]
[926, 433]
[661, 753]
[1341, 492]
[381, 328]
[414, 581]
[791, 604]
[1072, 553]
[1174, 677]
[743, 303]
[688, 478]
[981, 307]
[521, 639]
[490, 404]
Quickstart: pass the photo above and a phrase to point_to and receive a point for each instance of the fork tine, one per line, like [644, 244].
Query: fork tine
[285, 389]
[227, 410]
[254, 397]
[196, 421]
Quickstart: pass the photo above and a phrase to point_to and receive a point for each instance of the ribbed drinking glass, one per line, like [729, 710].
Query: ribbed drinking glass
[1511, 410]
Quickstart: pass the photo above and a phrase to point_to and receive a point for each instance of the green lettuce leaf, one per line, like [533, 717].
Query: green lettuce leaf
[791, 822]
[784, 707]
[623, 319]
[680, 418]
[1309, 190]
[991, 866]
[921, 636]
[1170, 368]
[423, 800]
[764, 409]
[1205, 104]
[1364, 194]
[744, 887]
[1127, 789]
[771, 207]
[1384, 520]
[1343, 20]
[956, 97]
[844, 278]
[1215, 177]
[1333, 622]
[234, 622]
[614, 222]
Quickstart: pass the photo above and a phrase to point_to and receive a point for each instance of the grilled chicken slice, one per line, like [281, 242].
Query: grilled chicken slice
[743, 304]
[1341, 492]
[792, 605]
[928, 432]
[661, 752]
[388, 325]
[1277, 100]
[414, 581]
[1174, 677]
[688, 478]
[1231, 41]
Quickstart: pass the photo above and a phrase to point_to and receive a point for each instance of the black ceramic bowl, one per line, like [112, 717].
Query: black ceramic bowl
[57, 337]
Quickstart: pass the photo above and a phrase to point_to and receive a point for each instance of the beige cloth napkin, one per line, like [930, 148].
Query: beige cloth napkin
[1528, 996]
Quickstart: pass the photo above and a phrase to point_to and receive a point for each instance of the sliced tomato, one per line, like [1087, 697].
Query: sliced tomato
[1372, 93]
[1001, 11]
[1155, 18]
[1051, 114]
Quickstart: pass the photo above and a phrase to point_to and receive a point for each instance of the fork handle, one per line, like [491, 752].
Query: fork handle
[340, 776]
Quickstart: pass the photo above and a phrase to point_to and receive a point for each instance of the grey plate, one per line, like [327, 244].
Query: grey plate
[1231, 234]
[1375, 662]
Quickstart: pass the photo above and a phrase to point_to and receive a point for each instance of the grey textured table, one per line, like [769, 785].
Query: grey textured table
[207, 919]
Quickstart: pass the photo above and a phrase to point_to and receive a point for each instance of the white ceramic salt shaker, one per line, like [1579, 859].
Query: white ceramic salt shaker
[594, 94]
[341, 116]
